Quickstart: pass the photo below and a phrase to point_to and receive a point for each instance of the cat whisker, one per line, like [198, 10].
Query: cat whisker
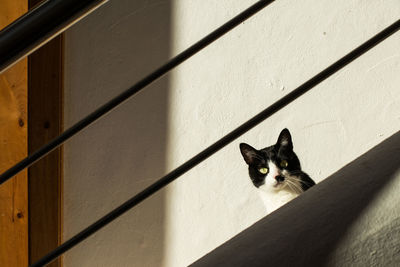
[284, 185]
[296, 188]
[300, 189]
[290, 185]
[298, 180]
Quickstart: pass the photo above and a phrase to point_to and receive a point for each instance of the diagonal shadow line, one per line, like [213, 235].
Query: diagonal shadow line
[307, 230]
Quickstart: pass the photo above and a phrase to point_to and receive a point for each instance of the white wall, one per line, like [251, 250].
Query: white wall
[205, 98]
[330, 225]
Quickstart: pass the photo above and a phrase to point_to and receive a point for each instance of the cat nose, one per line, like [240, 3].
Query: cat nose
[279, 178]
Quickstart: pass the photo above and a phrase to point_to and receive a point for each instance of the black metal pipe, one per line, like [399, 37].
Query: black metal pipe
[92, 117]
[299, 91]
[40, 25]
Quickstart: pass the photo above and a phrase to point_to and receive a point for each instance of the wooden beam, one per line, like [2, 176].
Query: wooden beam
[45, 122]
[13, 147]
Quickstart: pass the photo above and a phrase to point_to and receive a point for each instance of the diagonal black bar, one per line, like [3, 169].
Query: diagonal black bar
[39, 25]
[80, 125]
[305, 87]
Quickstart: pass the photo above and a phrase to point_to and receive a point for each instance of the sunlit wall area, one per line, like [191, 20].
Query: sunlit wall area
[250, 68]
[331, 225]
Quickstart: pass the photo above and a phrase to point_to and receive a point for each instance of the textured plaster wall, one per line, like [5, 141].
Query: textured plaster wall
[250, 68]
[203, 99]
[307, 231]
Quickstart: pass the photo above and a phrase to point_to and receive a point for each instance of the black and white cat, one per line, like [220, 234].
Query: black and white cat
[276, 171]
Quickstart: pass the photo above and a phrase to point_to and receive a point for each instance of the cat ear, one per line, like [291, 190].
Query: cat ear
[249, 153]
[285, 139]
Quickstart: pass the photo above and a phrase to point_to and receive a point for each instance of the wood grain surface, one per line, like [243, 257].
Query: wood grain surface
[45, 81]
[13, 147]
[45, 123]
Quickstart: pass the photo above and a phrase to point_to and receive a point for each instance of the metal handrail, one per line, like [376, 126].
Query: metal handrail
[40, 25]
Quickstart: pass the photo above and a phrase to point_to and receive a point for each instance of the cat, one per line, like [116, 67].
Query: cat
[275, 170]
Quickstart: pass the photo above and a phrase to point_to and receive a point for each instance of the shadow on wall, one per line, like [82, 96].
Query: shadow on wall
[125, 151]
[306, 231]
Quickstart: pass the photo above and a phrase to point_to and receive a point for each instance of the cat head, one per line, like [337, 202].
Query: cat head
[274, 167]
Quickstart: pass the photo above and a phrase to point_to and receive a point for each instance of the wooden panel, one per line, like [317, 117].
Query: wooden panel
[10, 10]
[13, 147]
[45, 123]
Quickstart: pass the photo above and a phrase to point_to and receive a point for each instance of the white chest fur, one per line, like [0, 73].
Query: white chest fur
[274, 199]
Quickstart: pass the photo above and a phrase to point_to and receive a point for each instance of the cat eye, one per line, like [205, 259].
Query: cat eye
[284, 164]
[263, 170]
